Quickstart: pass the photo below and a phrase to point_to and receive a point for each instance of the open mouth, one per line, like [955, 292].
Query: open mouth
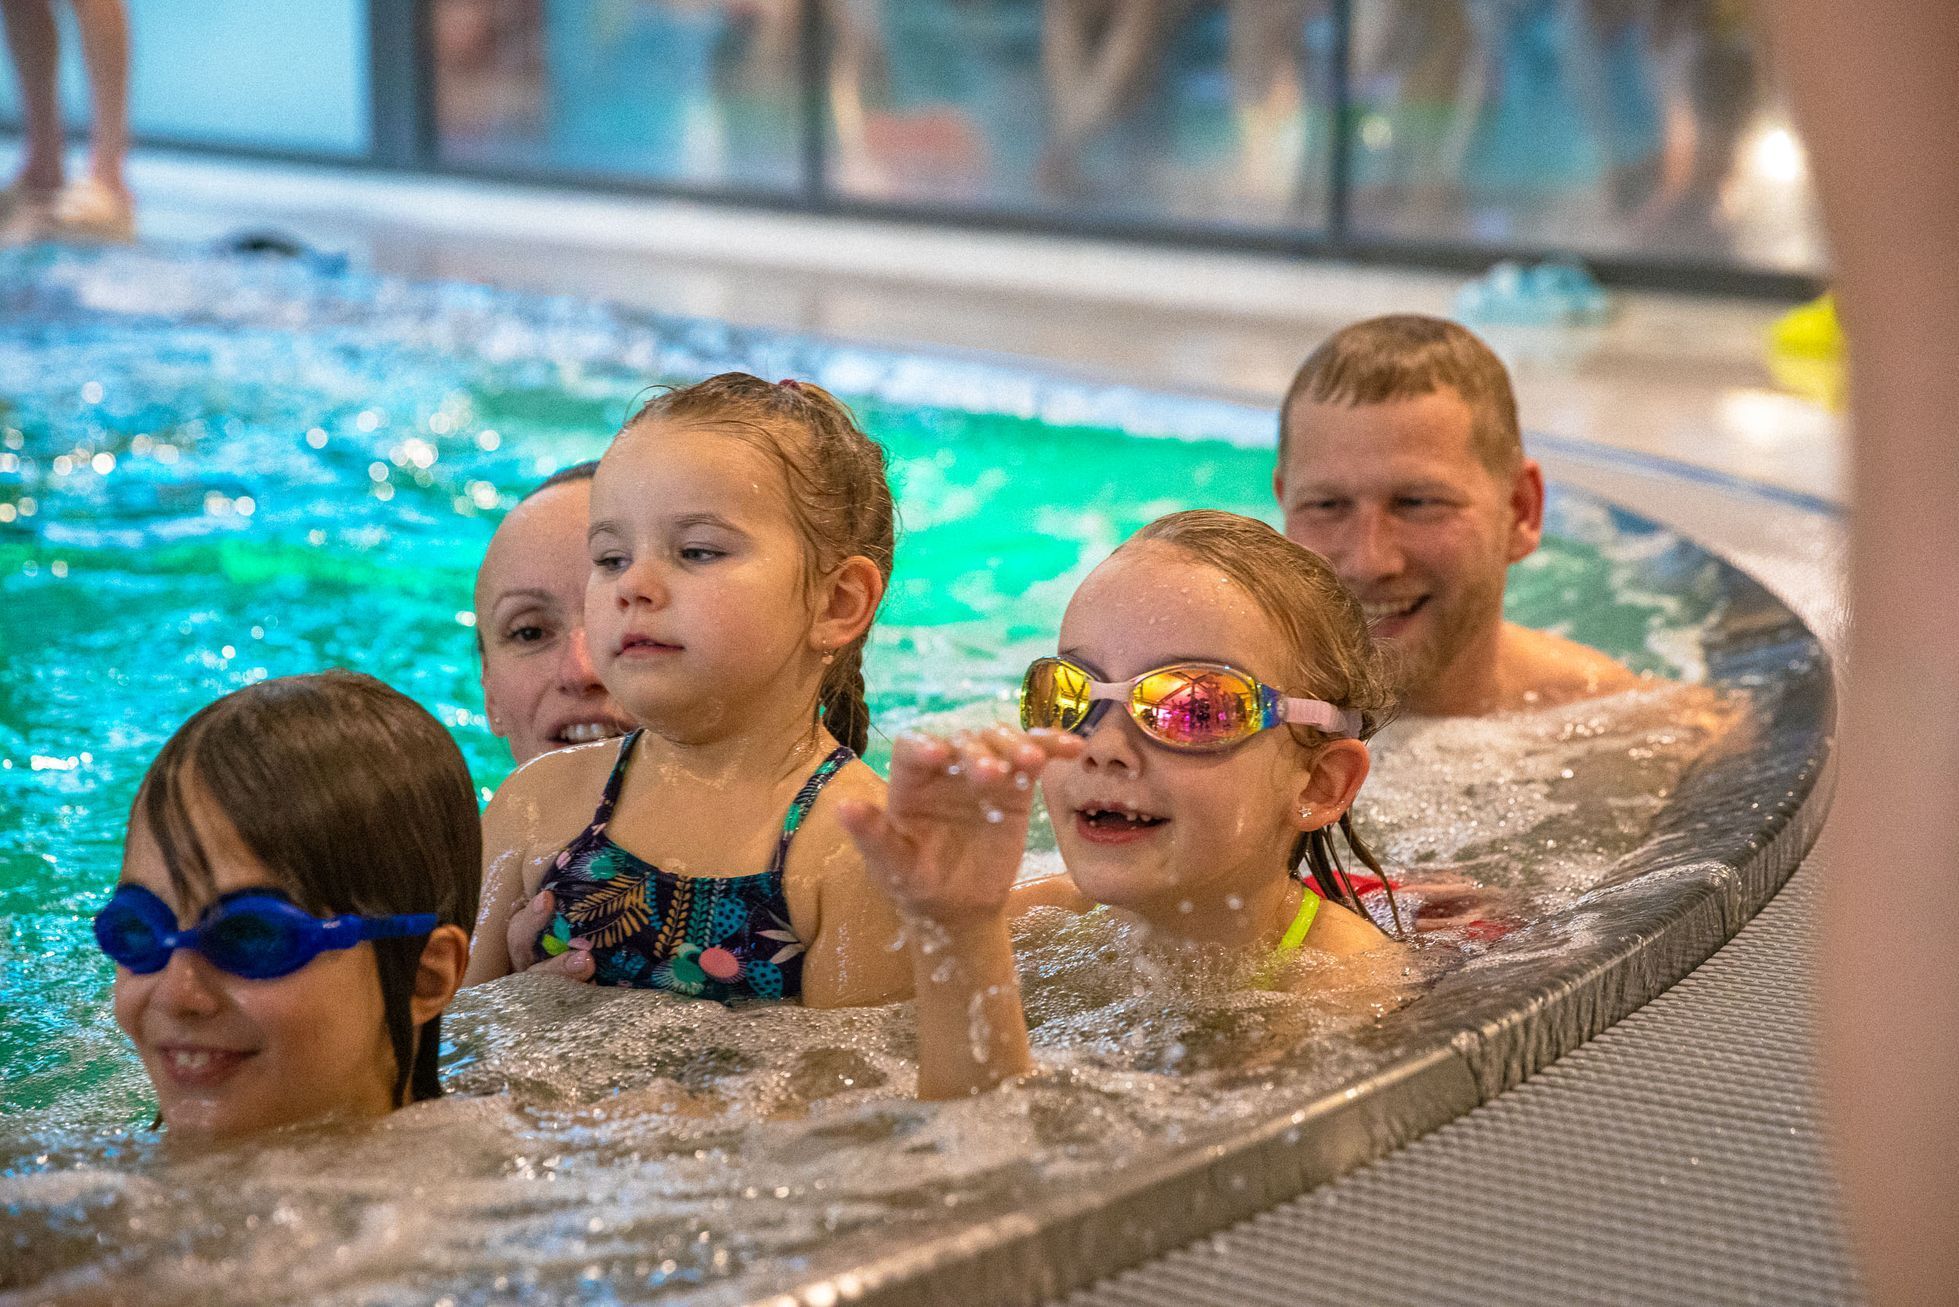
[196, 1067]
[1389, 612]
[1114, 823]
[588, 732]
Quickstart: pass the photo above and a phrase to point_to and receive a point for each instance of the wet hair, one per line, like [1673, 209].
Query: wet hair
[354, 798]
[1406, 356]
[1334, 657]
[839, 496]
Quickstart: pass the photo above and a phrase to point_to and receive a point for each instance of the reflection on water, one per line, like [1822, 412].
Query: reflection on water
[222, 471]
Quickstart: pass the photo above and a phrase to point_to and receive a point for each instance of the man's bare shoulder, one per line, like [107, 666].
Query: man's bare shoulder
[1539, 668]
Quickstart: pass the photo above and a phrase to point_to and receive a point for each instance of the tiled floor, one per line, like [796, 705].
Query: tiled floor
[1677, 376]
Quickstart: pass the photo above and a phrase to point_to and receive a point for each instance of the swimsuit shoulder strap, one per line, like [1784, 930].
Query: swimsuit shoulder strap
[616, 781]
[1302, 922]
[800, 805]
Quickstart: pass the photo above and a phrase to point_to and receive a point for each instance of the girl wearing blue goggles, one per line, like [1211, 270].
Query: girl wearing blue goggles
[249, 1010]
[259, 934]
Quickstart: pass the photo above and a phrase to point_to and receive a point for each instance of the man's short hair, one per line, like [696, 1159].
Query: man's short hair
[1406, 356]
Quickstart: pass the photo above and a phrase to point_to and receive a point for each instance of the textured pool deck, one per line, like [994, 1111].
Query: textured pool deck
[1676, 1158]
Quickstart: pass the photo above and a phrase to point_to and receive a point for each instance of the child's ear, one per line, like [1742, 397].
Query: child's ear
[1327, 789]
[444, 958]
[846, 603]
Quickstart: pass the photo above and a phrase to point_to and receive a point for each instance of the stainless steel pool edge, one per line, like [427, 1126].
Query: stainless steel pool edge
[1064, 1241]
[1738, 825]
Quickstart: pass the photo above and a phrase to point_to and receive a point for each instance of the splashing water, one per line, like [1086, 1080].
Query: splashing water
[212, 473]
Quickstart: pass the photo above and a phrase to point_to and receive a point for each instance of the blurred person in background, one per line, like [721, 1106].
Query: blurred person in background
[42, 203]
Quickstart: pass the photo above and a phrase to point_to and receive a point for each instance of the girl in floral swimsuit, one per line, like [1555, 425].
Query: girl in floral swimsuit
[741, 539]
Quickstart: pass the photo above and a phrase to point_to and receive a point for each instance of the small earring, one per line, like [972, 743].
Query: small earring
[1306, 812]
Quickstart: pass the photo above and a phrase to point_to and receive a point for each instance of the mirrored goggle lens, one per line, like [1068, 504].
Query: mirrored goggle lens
[1054, 695]
[1195, 709]
[130, 939]
[257, 942]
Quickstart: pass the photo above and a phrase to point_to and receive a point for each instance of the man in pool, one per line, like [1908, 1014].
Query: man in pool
[1401, 462]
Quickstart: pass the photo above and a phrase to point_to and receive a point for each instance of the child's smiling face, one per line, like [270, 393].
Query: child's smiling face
[1142, 826]
[229, 1055]
[698, 601]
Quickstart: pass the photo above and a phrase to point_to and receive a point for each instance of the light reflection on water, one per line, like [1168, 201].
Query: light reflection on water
[653, 1143]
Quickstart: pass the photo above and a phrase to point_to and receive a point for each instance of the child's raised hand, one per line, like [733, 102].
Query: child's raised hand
[947, 845]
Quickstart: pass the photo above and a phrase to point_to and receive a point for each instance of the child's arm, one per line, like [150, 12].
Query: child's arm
[947, 848]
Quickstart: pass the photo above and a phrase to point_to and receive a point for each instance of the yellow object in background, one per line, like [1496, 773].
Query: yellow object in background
[1806, 352]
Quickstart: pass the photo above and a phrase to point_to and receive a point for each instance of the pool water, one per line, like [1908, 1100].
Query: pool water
[215, 472]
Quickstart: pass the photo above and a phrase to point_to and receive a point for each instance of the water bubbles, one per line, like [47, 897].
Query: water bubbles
[9, 462]
[995, 816]
[1022, 781]
[58, 568]
[465, 618]
[377, 472]
[369, 420]
[316, 437]
[92, 392]
[103, 463]
[488, 440]
[1234, 903]
[7, 512]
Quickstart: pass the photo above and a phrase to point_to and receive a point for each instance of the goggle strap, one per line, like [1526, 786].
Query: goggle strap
[1320, 714]
[402, 927]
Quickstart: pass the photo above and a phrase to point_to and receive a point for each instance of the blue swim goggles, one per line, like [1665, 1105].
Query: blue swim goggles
[258, 934]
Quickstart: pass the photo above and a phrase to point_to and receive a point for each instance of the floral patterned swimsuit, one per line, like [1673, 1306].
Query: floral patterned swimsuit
[718, 937]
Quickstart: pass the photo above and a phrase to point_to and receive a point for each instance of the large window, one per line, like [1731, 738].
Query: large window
[1646, 134]
[702, 92]
[287, 77]
[1149, 111]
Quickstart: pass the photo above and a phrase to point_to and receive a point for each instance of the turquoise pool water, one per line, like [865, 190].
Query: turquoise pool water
[233, 471]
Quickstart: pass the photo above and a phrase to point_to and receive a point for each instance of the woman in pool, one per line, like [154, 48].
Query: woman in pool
[289, 923]
[741, 540]
[539, 686]
[1198, 740]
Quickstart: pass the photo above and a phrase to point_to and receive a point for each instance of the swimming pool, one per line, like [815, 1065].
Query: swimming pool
[220, 471]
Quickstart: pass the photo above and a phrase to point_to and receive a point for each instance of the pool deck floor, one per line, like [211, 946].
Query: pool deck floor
[1582, 1186]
